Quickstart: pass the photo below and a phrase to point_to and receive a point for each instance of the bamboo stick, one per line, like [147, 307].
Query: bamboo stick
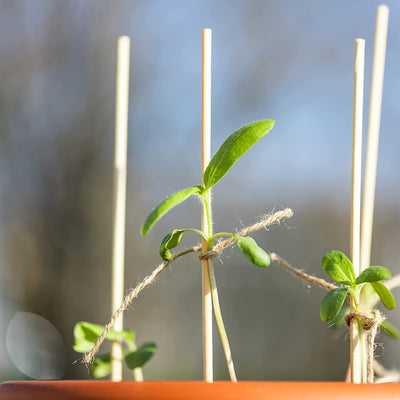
[374, 119]
[205, 159]
[358, 362]
[119, 207]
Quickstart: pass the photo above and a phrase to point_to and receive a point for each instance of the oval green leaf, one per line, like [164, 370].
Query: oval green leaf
[373, 274]
[339, 320]
[169, 242]
[233, 148]
[384, 294]
[167, 204]
[390, 329]
[338, 267]
[86, 334]
[332, 303]
[252, 251]
[101, 366]
[138, 358]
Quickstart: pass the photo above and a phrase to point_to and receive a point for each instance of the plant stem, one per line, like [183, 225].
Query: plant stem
[214, 293]
[220, 323]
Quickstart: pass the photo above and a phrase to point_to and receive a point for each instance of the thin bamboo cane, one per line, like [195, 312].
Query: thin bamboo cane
[205, 159]
[358, 362]
[119, 210]
[374, 120]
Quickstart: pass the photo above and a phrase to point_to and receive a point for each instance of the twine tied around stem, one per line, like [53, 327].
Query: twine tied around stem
[371, 320]
[265, 221]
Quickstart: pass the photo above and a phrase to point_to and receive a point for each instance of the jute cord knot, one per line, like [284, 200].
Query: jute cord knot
[369, 319]
[209, 255]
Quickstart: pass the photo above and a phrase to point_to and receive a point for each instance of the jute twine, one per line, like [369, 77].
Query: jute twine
[370, 319]
[265, 221]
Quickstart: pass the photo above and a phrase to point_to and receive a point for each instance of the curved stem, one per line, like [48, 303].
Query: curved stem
[213, 237]
[220, 323]
[214, 293]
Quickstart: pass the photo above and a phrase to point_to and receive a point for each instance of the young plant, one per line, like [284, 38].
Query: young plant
[341, 270]
[230, 151]
[86, 333]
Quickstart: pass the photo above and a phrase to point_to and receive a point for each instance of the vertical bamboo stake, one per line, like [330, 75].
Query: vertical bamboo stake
[374, 119]
[205, 159]
[358, 362]
[121, 136]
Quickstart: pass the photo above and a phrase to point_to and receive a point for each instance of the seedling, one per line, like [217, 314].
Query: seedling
[86, 333]
[341, 270]
[230, 151]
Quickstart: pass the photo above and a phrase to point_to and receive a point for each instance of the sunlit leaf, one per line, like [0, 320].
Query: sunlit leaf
[169, 242]
[167, 204]
[373, 274]
[332, 303]
[338, 267]
[138, 358]
[252, 251]
[384, 294]
[101, 366]
[233, 148]
[390, 329]
[339, 320]
[86, 334]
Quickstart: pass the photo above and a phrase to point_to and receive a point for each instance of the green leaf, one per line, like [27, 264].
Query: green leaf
[233, 148]
[373, 274]
[137, 358]
[101, 366]
[332, 303]
[169, 242]
[384, 294]
[252, 251]
[339, 320]
[86, 334]
[338, 267]
[390, 329]
[166, 205]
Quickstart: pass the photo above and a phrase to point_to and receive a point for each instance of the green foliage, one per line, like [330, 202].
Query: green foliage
[252, 251]
[390, 329]
[373, 274]
[332, 303]
[167, 204]
[139, 357]
[230, 151]
[233, 148]
[101, 366]
[384, 294]
[169, 242]
[86, 334]
[340, 268]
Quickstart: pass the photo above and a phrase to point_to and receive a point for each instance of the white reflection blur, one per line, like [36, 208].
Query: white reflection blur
[36, 347]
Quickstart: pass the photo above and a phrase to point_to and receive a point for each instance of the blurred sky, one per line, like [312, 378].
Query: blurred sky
[287, 60]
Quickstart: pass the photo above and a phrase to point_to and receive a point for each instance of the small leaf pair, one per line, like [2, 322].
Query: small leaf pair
[340, 269]
[86, 333]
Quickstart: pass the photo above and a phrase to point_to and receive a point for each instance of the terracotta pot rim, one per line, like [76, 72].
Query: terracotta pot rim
[196, 390]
